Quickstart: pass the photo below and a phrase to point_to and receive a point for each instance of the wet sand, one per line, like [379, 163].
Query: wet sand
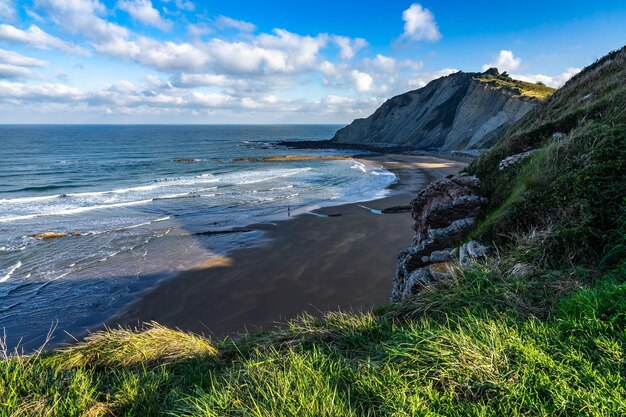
[341, 257]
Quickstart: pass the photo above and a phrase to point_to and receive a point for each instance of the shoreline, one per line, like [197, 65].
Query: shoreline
[336, 257]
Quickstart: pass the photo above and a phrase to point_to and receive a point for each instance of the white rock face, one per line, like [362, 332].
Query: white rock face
[455, 112]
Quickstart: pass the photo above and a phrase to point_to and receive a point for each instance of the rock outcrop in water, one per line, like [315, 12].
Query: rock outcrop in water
[461, 111]
[444, 213]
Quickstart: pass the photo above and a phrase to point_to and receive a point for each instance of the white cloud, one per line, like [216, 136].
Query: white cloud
[183, 80]
[505, 61]
[281, 52]
[302, 51]
[198, 30]
[84, 15]
[381, 63]
[144, 12]
[421, 79]
[329, 69]
[15, 72]
[13, 58]
[17, 66]
[362, 81]
[348, 47]
[556, 81]
[225, 22]
[7, 10]
[37, 38]
[41, 92]
[419, 24]
[185, 5]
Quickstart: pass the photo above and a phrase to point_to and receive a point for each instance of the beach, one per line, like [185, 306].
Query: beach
[336, 258]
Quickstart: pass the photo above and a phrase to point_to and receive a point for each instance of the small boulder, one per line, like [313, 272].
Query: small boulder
[418, 279]
[476, 250]
[471, 251]
[441, 256]
[441, 270]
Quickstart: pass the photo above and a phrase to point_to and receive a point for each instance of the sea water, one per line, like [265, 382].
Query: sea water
[140, 203]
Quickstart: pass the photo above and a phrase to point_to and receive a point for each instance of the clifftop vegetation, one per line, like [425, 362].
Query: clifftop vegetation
[537, 329]
[533, 90]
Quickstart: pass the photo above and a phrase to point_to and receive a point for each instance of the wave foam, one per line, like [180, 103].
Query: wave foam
[11, 271]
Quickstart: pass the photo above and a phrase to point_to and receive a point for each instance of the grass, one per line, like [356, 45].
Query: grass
[450, 352]
[523, 88]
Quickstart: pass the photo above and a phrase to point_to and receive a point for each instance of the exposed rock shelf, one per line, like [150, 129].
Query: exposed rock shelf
[444, 213]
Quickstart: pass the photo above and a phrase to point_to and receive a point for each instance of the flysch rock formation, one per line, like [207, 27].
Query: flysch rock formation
[444, 213]
[455, 112]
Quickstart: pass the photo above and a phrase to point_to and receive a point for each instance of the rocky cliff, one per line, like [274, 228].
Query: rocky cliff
[444, 213]
[461, 111]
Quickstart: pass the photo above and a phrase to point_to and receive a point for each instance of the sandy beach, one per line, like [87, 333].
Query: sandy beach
[340, 257]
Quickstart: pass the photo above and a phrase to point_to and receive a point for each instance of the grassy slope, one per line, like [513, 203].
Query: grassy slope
[536, 330]
[523, 88]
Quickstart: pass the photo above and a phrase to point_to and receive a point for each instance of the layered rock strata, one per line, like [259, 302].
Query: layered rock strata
[444, 213]
[456, 112]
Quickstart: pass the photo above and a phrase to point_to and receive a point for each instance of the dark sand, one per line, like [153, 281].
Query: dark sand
[308, 264]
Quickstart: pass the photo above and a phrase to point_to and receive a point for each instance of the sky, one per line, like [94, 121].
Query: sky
[191, 61]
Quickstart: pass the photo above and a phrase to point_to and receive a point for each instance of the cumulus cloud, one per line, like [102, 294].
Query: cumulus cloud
[13, 58]
[14, 71]
[505, 61]
[85, 18]
[165, 56]
[381, 63]
[280, 52]
[59, 93]
[37, 38]
[420, 24]
[144, 12]
[348, 47]
[555, 81]
[225, 22]
[17, 66]
[419, 80]
[362, 81]
[184, 80]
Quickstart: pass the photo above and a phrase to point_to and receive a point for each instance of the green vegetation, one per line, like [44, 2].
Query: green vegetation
[450, 352]
[526, 89]
[537, 330]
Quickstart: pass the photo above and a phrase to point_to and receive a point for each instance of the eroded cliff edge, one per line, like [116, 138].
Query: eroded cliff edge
[462, 111]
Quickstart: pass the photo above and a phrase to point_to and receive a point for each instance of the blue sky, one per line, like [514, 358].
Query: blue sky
[187, 61]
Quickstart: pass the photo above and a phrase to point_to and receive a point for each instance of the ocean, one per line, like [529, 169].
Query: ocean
[141, 203]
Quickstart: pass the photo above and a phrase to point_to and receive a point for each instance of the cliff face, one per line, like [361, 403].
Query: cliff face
[457, 112]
